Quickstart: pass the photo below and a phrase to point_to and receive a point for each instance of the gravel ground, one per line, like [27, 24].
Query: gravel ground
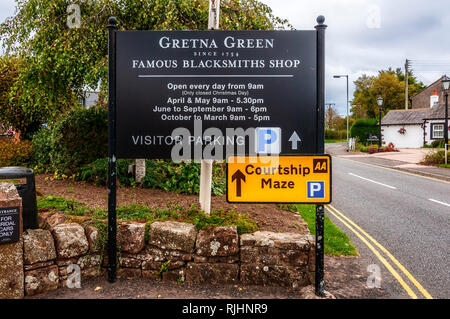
[344, 279]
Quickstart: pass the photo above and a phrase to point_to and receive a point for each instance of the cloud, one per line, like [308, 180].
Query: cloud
[365, 36]
[7, 8]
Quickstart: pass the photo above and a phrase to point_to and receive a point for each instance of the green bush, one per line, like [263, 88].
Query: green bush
[160, 174]
[78, 138]
[363, 127]
[15, 153]
[42, 147]
[97, 172]
[438, 144]
[335, 134]
[364, 149]
[180, 178]
[435, 158]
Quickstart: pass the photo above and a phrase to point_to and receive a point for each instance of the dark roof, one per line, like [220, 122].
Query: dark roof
[436, 112]
[414, 116]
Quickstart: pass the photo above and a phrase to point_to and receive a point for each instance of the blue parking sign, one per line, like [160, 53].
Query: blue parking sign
[316, 189]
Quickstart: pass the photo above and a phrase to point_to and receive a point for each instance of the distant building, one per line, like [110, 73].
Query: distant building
[89, 99]
[419, 126]
[422, 99]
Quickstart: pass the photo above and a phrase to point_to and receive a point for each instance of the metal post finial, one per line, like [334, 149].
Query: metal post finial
[112, 22]
[320, 20]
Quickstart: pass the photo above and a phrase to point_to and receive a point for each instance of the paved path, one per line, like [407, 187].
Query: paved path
[404, 224]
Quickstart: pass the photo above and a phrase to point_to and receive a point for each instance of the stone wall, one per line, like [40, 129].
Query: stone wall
[173, 251]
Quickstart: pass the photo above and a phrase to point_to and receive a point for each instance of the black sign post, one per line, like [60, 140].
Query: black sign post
[271, 81]
[320, 144]
[112, 222]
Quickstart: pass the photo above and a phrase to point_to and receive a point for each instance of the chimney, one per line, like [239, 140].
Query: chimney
[434, 99]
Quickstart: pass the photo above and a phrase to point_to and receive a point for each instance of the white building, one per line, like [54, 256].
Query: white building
[89, 99]
[413, 128]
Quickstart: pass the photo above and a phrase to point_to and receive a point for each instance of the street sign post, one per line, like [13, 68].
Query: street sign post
[284, 179]
[268, 83]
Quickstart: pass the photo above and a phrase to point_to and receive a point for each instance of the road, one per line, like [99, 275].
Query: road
[407, 215]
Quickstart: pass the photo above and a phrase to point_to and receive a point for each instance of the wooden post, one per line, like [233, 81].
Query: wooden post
[206, 165]
[214, 10]
[140, 170]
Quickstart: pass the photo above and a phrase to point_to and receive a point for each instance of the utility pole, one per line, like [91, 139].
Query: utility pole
[206, 165]
[406, 84]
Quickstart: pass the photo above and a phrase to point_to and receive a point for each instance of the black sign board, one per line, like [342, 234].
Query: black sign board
[9, 224]
[265, 80]
[272, 81]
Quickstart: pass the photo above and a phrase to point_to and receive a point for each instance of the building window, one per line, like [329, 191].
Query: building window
[437, 131]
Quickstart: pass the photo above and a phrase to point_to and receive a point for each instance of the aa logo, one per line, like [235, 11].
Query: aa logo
[320, 166]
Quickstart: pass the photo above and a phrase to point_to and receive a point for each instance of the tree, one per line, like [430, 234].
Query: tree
[25, 120]
[330, 117]
[59, 61]
[390, 85]
[362, 100]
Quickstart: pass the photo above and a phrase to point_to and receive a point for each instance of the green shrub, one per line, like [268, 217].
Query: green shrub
[163, 174]
[80, 137]
[438, 144]
[335, 134]
[363, 127]
[160, 174]
[15, 153]
[180, 178]
[364, 149]
[42, 147]
[97, 172]
[435, 158]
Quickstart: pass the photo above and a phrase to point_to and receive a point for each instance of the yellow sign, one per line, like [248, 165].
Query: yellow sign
[283, 179]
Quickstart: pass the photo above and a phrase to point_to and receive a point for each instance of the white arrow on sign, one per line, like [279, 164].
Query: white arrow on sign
[294, 140]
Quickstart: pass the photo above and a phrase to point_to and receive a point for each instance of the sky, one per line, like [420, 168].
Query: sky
[365, 36]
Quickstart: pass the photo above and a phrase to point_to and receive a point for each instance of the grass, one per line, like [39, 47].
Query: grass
[60, 204]
[148, 215]
[444, 165]
[335, 141]
[13, 181]
[336, 242]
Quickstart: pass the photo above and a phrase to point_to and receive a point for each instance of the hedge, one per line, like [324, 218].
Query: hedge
[364, 127]
[80, 137]
[335, 134]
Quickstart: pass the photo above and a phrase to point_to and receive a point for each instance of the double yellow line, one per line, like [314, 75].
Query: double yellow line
[366, 239]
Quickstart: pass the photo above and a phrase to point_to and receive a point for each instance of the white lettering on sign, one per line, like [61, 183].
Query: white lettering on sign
[229, 42]
[9, 222]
